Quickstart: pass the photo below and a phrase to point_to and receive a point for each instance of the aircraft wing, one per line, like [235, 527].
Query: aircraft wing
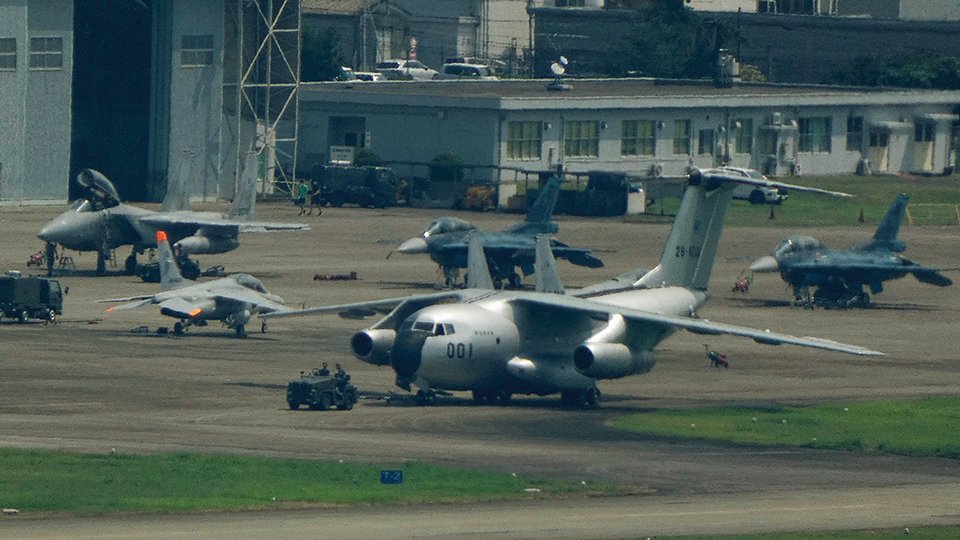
[526, 247]
[259, 302]
[372, 307]
[214, 225]
[578, 306]
[865, 269]
[137, 302]
[713, 175]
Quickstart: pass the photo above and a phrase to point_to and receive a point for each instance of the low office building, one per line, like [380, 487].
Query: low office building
[645, 127]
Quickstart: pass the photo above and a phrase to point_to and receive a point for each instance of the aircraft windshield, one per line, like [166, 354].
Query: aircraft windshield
[796, 243]
[81, 205]
[437, 329]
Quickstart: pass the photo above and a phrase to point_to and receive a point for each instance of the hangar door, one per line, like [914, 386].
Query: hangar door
[111, 93]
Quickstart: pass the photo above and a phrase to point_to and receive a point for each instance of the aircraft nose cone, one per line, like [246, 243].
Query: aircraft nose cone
[765, 264]
[54, 231]
[413, 245]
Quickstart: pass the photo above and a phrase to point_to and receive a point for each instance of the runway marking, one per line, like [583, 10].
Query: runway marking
[753, 510]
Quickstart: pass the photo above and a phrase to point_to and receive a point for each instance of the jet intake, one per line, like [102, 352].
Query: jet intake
[204, 244]
[610, 360]
[373, 346]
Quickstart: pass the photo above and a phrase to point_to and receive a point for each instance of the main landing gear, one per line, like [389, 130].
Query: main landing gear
[586, 398]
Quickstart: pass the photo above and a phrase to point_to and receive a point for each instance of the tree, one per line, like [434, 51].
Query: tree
[446, 167]
[925, 70]
[320, 55]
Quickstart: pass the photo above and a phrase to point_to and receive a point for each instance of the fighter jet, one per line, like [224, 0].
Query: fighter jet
[233, 299]
[499, 343]
[100, 222]
[445, 239]
[840, 276]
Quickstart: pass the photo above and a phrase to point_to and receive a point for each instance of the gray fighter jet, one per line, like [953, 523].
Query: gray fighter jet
[445, 239]
[100, 222]
[840, 276]
[232, 300]
[499, 343]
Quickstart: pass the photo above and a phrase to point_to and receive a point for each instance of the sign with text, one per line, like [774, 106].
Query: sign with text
[391, 476]
[341, 155]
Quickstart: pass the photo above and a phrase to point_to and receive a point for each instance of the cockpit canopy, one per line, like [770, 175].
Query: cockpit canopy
[250, 282]
[99, 190]
[448, 225]
[794, 244]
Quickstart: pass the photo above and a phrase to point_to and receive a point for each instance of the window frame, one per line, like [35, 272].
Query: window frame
[811, 141]
[636, 142]
[855, 133]
[524, 145]
[46, 53]
[581, 139]
[10, 55]
[682, 131]
[195, 52]
[701, 149]
[743, 138]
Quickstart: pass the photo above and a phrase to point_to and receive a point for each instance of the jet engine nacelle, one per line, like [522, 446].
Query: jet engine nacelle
[610, 360]
[373, 346]
[204, 244]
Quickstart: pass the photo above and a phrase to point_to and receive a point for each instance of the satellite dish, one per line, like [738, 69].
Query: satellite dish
[559, 68]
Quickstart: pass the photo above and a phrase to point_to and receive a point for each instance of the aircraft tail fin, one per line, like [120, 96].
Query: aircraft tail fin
[170, 277]
[691, 247]
[478, 272]
[545, 267]
[886, 235]
[178, 196]
[539, 218]
[245, 197]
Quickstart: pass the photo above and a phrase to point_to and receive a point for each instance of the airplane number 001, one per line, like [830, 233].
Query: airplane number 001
[459, 350]
[683, 251]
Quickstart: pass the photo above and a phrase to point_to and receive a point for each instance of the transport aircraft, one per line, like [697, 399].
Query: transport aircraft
[100, 222]
[839, 276]
[499, 343]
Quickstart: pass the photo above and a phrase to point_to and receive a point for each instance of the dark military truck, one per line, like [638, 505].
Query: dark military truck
[373, 187]
[32, 297]
[319, 390]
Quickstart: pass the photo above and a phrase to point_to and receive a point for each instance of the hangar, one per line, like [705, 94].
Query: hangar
[140, 90]
[642, 126]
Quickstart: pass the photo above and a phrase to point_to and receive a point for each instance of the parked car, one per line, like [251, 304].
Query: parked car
[459, 70]
[755, 194]
[369, 76]
[346, 74]
[406, 70]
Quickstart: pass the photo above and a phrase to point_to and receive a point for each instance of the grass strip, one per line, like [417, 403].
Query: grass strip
[926, 427]
[88, 484]
[913, 533]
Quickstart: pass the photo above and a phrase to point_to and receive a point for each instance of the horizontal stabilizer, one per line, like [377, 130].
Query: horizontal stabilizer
[932, 277]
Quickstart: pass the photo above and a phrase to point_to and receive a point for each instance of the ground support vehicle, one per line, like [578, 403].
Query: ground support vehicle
[320, 390]
[31, 297]
[373, 187]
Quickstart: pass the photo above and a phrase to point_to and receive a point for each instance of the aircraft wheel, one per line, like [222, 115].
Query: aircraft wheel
[241, 332]
[591, 397]
[178, 328]
[130, 264]
[23, 315]
[479, 397]
[426, 397]
[263, 327]
[294, 405]
[101, 264]
[504, 397]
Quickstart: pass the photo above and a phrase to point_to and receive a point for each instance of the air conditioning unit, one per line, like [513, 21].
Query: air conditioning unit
[776, 119]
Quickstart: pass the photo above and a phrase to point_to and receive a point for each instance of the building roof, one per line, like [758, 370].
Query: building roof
[609, 93]
[331, 7]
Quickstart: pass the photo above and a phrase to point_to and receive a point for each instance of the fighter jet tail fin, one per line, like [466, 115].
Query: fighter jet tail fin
[478, 272]
[539, 218]
[245, 198]
[178, 196]
[886, 236]
[170, 277]
[691, 247]
[545, 267]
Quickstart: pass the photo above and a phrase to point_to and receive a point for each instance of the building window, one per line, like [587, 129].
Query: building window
[705, 144]
[8, 54]
[524, 140]
[581, 139]
[570, 3]
[46, 53]
[814, 134]
[923, 132]
[638, 138]
[743, 141]
[854, 133]
[196, 51]
[681, 137]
